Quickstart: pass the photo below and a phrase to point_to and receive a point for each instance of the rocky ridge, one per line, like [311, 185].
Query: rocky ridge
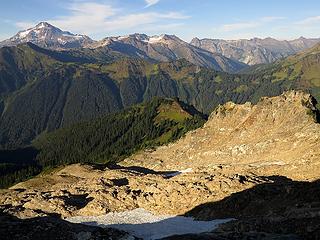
[163, 48]
[240, 147]
[278, 133]
[219, 54]
[166, 48]
[256, 50]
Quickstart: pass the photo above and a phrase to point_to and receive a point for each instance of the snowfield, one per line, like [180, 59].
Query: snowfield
[143, 224]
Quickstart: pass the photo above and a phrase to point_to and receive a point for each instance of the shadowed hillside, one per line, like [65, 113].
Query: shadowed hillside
[107, 139]
[43, 90]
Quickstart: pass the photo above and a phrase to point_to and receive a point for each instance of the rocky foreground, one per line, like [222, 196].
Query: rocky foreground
[259, 164]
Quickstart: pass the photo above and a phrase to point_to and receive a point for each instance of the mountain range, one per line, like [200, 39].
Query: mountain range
[43, 90]
[156, 48]
[221, 55]
[115, 133]
[166, 48]
[256, 50]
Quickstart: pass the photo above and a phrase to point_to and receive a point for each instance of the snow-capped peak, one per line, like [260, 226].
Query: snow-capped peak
[44, 25]
[138, 38]
[47, 35]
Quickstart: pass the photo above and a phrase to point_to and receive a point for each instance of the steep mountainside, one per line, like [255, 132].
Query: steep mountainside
[279, 131]
[156, 48]
[167, 48]
[103, 140]
[39, 89]
[256, 50]
[302, 70]
[42, 90]
[247, 162]
[46, 35]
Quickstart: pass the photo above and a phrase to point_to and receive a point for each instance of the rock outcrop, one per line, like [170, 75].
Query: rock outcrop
[240, 147]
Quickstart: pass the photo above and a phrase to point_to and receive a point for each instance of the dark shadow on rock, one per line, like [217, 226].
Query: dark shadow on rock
[143, 170]
[120, 182]
[282, 206]
[53, 228]
[233, 236]
[77, 201]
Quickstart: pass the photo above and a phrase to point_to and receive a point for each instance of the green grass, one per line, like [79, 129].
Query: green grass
[172, 112]
[237, 79]
[241, 89]
[218, 79]
[152, 69]
[280, 76]
[164, 138]
[218, 92]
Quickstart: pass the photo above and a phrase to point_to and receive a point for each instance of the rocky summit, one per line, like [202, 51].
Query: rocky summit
[48, 36]
[256, 50]
[257, 164]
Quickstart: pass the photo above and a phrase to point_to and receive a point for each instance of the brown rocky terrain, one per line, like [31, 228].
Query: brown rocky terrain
[278, 136]
[256, 163]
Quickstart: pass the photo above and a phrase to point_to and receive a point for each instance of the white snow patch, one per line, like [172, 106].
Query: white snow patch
[24, 33]
[61, 41]
[36, 31]
[155, 39]
[78, 36]
[123, 37]
[42, 25]
[67, 35]
[143, 224]
[70, 35]
[176, 173]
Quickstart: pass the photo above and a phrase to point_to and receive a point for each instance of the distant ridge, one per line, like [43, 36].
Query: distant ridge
[256, 50]
[219, 54]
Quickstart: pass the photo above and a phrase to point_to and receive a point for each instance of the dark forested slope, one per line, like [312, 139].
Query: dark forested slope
[43, 90]
[104, 140]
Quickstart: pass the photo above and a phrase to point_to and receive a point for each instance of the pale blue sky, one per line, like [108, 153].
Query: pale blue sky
[233, 19]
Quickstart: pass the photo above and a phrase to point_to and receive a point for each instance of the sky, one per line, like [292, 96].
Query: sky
[225, 19]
